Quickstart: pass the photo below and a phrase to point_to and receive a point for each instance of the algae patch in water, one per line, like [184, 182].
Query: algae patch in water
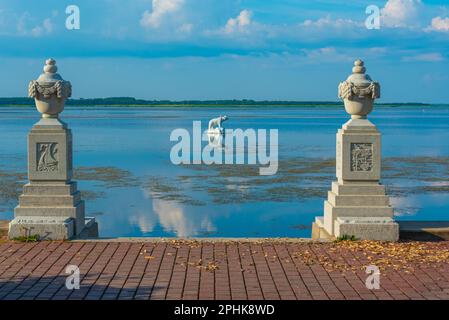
[110, 177]
[422, 174]
[297, 179]
[11, 183]
[165, 189]
[300, 179]
[90, 195]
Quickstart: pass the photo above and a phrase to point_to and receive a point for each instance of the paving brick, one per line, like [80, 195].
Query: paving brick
[209, 270]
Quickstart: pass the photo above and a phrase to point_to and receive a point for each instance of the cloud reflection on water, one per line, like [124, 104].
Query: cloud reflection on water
[173, 217]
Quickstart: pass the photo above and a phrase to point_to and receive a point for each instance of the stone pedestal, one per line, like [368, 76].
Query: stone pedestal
[357, 205]
[50, 206]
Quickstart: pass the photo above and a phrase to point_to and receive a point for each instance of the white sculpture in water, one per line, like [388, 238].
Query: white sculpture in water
[215, 125]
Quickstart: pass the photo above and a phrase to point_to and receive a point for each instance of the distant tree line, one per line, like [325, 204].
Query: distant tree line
[128, 101]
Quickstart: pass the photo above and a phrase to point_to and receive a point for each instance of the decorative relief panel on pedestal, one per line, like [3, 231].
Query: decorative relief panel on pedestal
[361, 157]
[47, 157]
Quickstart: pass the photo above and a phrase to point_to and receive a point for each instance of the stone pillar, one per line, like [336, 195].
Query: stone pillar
[50, 206]
[357, 204]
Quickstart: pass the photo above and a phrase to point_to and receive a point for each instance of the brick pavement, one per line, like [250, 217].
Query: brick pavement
[222, 270]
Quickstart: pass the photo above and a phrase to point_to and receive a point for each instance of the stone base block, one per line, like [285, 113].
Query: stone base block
[54, 199]
[361, 200]
[331, 213]
[358, 188]
[380, 229]
[364, 201]
[48, 228]
[76, 212]
[49, 189]
[50, 201]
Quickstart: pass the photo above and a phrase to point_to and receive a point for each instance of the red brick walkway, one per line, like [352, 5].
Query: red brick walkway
[223, 270]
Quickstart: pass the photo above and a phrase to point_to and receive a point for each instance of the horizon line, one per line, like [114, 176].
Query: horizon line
[217, 101]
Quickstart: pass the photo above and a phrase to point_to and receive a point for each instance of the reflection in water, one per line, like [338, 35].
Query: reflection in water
[145, 221]
[173, 217]
[404, 206]
[216, 140]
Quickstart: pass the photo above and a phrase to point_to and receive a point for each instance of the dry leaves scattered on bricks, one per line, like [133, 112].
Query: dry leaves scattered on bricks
[357, 255]
[399, 255]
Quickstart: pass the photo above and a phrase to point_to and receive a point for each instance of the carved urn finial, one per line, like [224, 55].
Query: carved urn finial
[359, 92]
[50, 91]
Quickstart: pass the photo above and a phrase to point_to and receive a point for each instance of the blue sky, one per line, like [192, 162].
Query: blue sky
[226, 49]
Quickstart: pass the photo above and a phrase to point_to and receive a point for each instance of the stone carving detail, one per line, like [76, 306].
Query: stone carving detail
[347, 90]
[361, 157]
[47, 157]
[62, 89]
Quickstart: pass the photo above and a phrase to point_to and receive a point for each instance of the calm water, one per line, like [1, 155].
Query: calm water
[123, 156]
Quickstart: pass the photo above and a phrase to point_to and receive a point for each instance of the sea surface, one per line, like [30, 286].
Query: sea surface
[122, 165]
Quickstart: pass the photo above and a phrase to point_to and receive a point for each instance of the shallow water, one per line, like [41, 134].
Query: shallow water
[122, 162]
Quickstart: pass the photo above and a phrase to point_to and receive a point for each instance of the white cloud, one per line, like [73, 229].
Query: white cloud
[439, 24]
[425, 57]
[239, 23]
[328, 22]
[400, 13]
[435, 77]
[326, 54]
[186, 28]
[46, 27]
[324, 28]
[161, 8]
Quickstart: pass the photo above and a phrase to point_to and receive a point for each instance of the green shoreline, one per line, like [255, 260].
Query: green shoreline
[132, 102]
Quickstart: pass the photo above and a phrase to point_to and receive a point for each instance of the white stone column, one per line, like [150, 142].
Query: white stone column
[357, 205]
[50, 206]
